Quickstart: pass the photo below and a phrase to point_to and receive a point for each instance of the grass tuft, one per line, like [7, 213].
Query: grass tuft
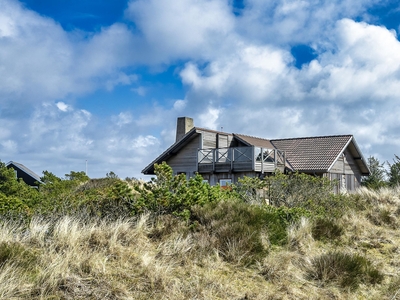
[347, 269]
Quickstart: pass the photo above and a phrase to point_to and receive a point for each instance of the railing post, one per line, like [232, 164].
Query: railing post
[197, 159]
[253, 158]
[232, 158]
[214, 156]
[262, 161]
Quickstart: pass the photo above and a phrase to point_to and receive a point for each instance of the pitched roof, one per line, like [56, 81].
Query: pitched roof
[254, 141]
[318, 153]
[24, 169]
[315, 154]
[149, 169]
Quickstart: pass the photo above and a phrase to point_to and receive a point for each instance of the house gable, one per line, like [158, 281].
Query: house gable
[313, 154]
[27, 175]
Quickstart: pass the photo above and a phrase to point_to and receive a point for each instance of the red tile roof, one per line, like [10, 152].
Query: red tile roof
[313, 153]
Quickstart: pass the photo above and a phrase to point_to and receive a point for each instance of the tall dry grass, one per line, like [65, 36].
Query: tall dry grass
[215, 257]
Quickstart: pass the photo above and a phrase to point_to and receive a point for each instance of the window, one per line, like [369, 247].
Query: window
[225, 183]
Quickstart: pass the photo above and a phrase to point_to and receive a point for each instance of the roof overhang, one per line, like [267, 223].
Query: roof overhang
[357, 156]
[171, 151]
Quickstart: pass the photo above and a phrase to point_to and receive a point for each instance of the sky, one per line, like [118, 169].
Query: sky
[97, 86]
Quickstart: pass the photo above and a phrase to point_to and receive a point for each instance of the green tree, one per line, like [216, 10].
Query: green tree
[376, 179]
[394, 172]
[77, 176]
[16, 195]
[168, 193]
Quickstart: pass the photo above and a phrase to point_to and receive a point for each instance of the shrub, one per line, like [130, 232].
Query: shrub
[296, 189]
[174, 194]
[278, 219]
[234, 229]
[349, 270]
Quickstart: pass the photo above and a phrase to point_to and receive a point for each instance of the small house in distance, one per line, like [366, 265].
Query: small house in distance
[223, 158]
[27, 175]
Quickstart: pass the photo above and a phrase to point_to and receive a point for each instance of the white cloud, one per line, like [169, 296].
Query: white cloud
[123, 118]
[62, 106]
[141, 90]
[182, 29]
[42, 62]
[179, 105]
[237, 72]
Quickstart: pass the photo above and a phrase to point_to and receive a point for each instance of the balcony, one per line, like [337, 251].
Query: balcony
[240, 159]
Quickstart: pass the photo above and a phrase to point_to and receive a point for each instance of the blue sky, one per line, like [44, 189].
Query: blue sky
[103, 82]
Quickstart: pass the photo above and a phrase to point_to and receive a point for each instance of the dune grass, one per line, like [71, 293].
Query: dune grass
[114, 239]
[223, 252]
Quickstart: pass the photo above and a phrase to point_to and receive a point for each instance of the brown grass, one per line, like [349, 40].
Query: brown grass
[161, 258]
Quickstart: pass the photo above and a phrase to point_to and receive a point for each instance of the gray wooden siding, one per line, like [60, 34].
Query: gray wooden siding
[216, 177]
[346, 166]
[222, 140]
[209, 140]
[186, 160]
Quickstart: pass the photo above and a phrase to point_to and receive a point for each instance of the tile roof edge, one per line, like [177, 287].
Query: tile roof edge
[341, 152]
[314, 137]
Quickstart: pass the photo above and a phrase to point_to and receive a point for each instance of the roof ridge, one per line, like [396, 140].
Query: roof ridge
[251, 136]
[211, 130]
[314, 137]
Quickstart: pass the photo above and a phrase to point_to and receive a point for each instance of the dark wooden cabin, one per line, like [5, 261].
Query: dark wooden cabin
[27, 175]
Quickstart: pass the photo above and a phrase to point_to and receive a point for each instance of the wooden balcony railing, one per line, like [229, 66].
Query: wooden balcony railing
[240, 159]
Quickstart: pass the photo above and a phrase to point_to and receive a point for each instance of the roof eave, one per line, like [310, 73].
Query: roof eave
[340, 153]
[149, 169]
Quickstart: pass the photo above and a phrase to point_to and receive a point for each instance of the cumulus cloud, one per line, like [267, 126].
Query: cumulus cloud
[40, 61]
[182, 29]
[237, 70]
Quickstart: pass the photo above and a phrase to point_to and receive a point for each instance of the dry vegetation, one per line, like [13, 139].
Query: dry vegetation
[222, 252]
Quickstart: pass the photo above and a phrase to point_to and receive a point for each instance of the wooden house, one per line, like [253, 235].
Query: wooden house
[222, 157]
[27, 175]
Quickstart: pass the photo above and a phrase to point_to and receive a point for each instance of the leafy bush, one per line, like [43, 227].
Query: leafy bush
[296, 189]
[174, 194]
[278, 219]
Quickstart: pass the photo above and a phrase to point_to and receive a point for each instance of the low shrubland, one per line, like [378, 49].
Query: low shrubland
[284, 237]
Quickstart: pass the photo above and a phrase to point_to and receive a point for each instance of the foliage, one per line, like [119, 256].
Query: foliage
[16, 195]
[174, 194]
[251, 190]
[295, 189]
[305, 192]
[77, 176]
[394, 172]
[376, 179]
[348, 269]
[234, 228]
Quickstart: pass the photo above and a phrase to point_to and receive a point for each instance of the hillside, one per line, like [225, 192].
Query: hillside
[178, 239]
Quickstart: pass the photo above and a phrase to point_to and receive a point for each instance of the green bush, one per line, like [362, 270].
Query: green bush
[295, 189]
[169, 194]
[278, 219]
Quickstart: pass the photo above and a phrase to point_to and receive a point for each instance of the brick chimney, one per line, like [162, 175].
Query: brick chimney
[183, 126]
